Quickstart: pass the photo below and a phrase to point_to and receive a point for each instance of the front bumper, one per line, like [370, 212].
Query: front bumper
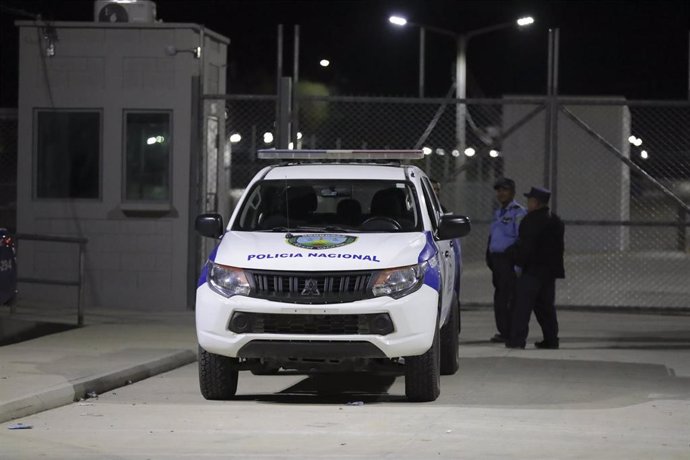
[413, 316]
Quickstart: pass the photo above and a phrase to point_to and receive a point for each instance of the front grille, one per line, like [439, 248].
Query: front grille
[311, 287]
[272, 323]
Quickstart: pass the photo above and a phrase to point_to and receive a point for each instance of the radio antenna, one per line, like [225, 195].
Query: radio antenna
[287, 204]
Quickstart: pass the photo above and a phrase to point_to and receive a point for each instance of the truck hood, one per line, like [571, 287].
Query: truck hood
[320, 251]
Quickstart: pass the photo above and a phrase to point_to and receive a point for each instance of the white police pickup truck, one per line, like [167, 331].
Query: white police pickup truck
[333, 261]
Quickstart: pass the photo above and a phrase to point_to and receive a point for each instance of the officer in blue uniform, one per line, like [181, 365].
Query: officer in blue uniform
[503, 234]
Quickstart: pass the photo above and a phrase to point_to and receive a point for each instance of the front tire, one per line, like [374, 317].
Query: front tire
[218, 376]
[423, 373]
[450, 342]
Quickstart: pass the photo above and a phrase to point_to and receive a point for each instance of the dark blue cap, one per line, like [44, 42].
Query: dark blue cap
[540, 194]
[504, 182]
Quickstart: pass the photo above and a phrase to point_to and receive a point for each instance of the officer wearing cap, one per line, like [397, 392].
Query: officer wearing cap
[539, 253]
[502, 235]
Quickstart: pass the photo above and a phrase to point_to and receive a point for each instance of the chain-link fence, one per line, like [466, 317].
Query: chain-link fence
[8, 169]
[619, 171]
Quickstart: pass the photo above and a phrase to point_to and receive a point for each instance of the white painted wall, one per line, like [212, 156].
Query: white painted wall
[132, 261]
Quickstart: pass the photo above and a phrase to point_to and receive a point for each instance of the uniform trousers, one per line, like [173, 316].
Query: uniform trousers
[503, 278]
[538, 293]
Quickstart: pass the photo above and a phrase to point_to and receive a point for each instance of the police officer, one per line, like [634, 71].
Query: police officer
[539, 254]
[503, 234]
[436, 186]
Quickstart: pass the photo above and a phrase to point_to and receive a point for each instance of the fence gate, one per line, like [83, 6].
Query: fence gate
[624, 204]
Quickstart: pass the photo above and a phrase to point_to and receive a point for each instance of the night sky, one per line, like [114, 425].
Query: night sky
[638, 49]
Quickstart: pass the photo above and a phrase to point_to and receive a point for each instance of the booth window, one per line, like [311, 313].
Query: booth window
[147, 158]
[68, 154]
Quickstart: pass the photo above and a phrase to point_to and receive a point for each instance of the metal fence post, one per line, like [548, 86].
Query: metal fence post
[80, 298]
[549, 112]
[554, 123]
[681, 229]
[295, 89]
[284, 114]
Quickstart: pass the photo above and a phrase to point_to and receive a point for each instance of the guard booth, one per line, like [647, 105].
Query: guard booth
[111, 148]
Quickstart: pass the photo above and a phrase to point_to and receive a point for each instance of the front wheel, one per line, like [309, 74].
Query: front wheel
[450, 342]
[218, 376]
[423, 373]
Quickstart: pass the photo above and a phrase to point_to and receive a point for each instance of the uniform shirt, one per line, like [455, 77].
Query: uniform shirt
[539, 250]
[505, 226]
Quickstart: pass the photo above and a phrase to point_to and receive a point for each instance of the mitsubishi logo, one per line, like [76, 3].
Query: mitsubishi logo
[311, 287]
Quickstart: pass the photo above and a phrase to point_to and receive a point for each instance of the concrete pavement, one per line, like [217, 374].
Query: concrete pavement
[112, 350]
[619, 388]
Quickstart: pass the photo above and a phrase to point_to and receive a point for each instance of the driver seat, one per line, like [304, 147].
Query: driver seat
[390, 203]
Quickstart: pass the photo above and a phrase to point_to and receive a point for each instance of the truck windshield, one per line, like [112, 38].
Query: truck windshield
[330, 205]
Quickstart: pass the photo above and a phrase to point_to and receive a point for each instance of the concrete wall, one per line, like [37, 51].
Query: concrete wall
[592, 183]
[137, 254]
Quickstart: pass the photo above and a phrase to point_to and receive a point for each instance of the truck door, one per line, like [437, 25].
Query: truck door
[445, 250]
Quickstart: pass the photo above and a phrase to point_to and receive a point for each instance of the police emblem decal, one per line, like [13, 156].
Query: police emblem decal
[320, 241]
[311, 287]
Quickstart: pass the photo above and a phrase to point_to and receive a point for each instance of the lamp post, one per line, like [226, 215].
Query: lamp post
[461, 41]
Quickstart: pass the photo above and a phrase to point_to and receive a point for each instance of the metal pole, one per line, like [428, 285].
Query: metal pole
[681, 229]
[285, 114]
[460, 92]
[279, 58]
[80, 298]
[549, 111]
[252, 146]
[279, 74]
[422, 39]
[13, 303]
[295, 89]
[554, 124]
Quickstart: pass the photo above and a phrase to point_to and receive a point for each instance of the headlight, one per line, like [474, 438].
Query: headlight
[399, 282]
[227, 281]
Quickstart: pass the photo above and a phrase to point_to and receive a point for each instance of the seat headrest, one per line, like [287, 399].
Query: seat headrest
[389, 202]
[301, 200]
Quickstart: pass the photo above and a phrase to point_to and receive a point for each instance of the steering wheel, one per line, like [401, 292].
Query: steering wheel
[396, 225]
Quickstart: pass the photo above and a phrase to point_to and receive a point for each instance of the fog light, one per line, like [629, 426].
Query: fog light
[240, 323]
[381, 324]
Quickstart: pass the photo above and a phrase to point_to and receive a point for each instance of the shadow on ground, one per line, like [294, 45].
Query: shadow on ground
[333, 389]
[17, 330]
[519, 380]
[656, 340]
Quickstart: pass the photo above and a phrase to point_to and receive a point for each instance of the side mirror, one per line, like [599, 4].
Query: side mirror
[453, 226]
[209, 225]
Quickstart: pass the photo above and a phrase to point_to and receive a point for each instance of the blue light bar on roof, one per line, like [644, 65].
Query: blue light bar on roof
[276, 154]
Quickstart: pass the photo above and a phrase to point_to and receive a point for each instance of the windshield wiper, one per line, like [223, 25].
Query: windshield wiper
[314, 228]
[335, 228]
[295, 229]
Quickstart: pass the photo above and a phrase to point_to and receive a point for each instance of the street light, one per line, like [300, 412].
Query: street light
[324, 62]
[461, 40]
[397, 20]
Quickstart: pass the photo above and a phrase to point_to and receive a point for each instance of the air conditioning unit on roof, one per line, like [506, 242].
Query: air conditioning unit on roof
[124, 11]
